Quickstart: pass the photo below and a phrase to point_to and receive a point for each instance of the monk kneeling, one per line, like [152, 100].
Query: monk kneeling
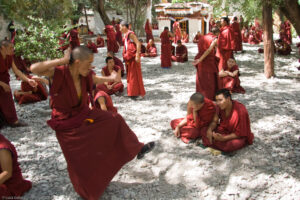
[230, 77]
[111, 87]
[181, 53]
[200, 113]
[230, 128]
[12, 183]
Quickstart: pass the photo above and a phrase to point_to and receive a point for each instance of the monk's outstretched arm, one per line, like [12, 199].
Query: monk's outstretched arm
[101, 101]
[207, 52]
[6, 165]
[5, 86]
[22, 76]
[223, 73]
[101, 79]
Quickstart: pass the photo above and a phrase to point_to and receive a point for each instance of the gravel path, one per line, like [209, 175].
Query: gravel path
[268, 169]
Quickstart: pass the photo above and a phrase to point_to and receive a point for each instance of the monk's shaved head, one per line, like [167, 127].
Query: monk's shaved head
[197, 98]
[80, 53]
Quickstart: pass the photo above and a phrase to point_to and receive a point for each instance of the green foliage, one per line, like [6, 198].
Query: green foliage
[39, 41]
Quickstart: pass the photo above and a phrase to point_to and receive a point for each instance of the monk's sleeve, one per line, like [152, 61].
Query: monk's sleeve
[206, 116]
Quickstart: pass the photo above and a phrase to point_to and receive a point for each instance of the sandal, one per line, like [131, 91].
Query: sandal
[146, 149]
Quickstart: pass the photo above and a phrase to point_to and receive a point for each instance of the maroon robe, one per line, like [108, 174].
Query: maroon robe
[96, 144]
[253, 37]
[196, 38]
[92, 46]
[148, 31]
[16, 185]
[7, 105]
[108, 101]
[245, 35]
[232, 83]
[116, 88]
[151, 51]
[237, 36]
[74, 38]
[192, 130]
[143, 48]
[185, 38]
[288, 32]
[177, 31]
[119, 63]
[179, 54]
[100, 42]
[165, 49]
[237, 122]
[135, 85]
[226, 45]
[285, 50]
[38, 94]
[118, 34]
[112, 44]
[21, 64]
[207, 70]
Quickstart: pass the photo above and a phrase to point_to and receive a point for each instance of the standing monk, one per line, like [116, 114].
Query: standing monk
[7, 106]
[177, 31]
[96, 144]
[226, 43]
[112, 44]
[148, 30]
[237, 35]
[74, 38]
[166, 48]
[287, 26]
[131, 55]
[230, 129]
[205, 62]
[185, 37]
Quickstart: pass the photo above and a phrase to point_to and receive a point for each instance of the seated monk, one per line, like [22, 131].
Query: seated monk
[185, 37]
[230, 77]
[282, 47]
[197, 37]
[150, 50]
[253, 36]
[118, 62]
[90, 32]
[115, 87]
[100, 41]
[96, 144]
[200, 112]
[143, 48]
[12, 183]
[230, 127]
[92, 46]
[29, 94]
[103, 101]
[181, 53]
[245, 35]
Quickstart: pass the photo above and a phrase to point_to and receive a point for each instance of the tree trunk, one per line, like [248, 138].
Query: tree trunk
[101, 10]
[268, 38]
[135, 13]
[291, 9]
[86, 18]
[149, 11]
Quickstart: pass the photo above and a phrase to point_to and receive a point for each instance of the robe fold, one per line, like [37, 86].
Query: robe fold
[192, 130]
[226, 45]
[92, 46]
[7, 105]
[135, 85]
[119, 34]
[148, 31]
[116, 88]
[119, 63]
[112, 44]
[74, 38]
[166, 48]
[100, 42]
[95, 143]
[237, 122]
[177, 31]
[38, 94]
[207, 70]
[288, 32]
[180, 57]
[108, 101]
[232, 83]
[237, 36]
[16, 185]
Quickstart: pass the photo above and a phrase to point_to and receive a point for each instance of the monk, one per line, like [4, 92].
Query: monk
[118, 33]
[205, 62]
[230, 127]
[74, 38]
[114, 87]
[117, 61]
[200, 112]
[185, 37]
[92, 46]
[7, 106]
[96, 144]
[112, 44]
[245, 35]
[166, 48]
[148, 30]
[226, 43]
[150, 49]
[131, 55]
[237, 35]
[29, 94]
[253, 39]
[288, 32]
[177, 31]
[113, 21]
[282, 47]
[212, 24]
[104, 102]
[230, 77]
[181, 53]
[12, 183]
[100, 41]
[143, 48]
[196, 38]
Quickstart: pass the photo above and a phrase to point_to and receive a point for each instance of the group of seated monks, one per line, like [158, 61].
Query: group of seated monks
[224, 126]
